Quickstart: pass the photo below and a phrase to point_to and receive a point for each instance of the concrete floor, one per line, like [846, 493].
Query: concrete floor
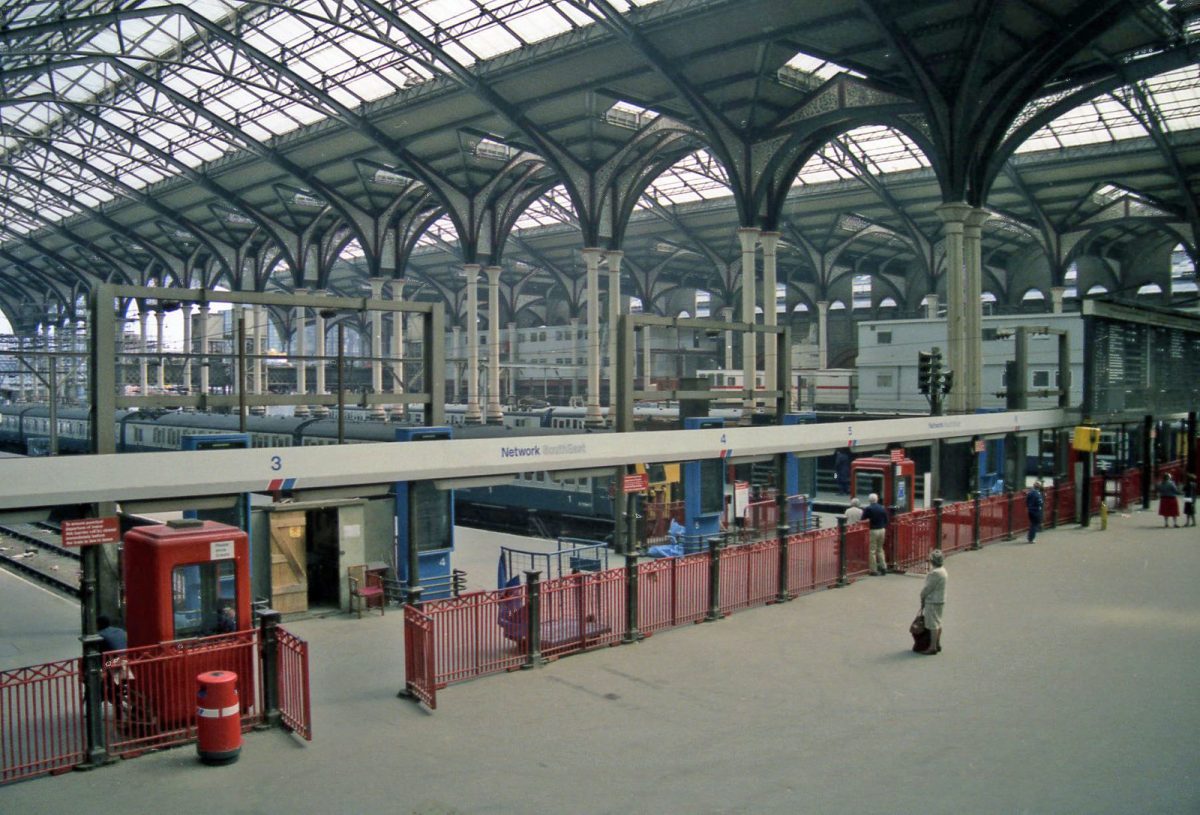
[1068, 684]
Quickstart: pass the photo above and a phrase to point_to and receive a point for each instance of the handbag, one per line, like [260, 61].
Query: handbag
[920, 633]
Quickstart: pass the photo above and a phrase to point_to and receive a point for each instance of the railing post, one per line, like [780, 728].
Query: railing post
[937, 523]
[93, 702]
[976, 502]
[533, 589]
[1054, 506]
[842, 582]
[1009, 534]
[632, 634]
[268, 622]
[785, 589]
[714, 580]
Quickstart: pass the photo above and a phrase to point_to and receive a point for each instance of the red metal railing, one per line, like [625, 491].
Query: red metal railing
[582, 611]
[478, 633]
[958, 526]
[150, 692]
[913, 534]
[993, 518]
[418, 656]
[295, 704]
[672, 592]
[813, 559]
[749, 575]
[485, 632]
[1060, 497]
[41, 719]
[1130, 487]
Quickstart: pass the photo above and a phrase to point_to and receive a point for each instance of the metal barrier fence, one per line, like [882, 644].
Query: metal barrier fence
[749, 576]
[41, 719]
[914, 533]
[486, 632]
[150, 692]
[418, 656]
[147, 699]
[672, 592]
[813, 558]
[295, 704]
[582, 611]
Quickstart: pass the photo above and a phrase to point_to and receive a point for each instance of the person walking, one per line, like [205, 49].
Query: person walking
[853, 513]
[1168, 500]
[933, 601]
[1189, 500]
[1035, 503]
[877, 516]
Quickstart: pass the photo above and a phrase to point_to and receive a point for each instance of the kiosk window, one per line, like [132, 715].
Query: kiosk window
[868, 482]
[432, 515]
[712, 485]
[199, 592]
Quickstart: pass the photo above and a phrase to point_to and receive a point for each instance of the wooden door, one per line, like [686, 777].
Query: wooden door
[289, 571]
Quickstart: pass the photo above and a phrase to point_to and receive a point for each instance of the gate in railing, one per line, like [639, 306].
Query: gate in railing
[418, 656]
[295, 704]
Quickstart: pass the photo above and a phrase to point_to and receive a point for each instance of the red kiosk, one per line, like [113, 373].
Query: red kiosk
[187, 587]
[889, 478]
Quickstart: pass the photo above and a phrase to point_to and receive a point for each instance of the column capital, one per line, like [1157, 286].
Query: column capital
[376, 284]
[397, 287]
[493, 274]
[748, 236]
[954, 213]
[592, 255]
[976, 218]
[611, 255]
[471, 270]
[769, 241]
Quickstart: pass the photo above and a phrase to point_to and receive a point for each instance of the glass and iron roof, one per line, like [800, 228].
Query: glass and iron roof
[128, 101]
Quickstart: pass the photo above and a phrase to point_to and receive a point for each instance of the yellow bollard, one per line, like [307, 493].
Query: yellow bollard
[1103, 516]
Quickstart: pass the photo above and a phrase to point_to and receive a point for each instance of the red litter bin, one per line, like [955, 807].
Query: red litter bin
[218, 718]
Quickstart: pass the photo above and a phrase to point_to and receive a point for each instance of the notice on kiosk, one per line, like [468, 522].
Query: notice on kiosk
[91, 531]
[220, 550]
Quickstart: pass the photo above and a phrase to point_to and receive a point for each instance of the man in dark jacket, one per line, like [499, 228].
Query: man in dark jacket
[875, 514]
[1035, 504]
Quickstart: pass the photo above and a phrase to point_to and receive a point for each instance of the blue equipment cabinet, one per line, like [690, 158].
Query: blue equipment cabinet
[703, 490]
[801, 476]
[424, 517]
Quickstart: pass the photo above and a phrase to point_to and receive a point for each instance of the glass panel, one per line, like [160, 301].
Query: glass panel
[204, 598]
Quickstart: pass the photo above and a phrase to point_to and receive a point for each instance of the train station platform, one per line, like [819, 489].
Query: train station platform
[1067, 685]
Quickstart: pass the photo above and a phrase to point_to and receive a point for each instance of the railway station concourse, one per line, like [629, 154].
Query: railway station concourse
[241, 235]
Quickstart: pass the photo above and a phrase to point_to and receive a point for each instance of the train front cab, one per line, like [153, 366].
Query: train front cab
[186, 581]
[891, 480]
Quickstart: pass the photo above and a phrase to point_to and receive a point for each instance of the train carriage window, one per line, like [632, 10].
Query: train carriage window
[199, 592]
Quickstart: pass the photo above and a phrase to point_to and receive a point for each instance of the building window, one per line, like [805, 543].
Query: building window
[883, 380]
[1041, 379]
[883, 338]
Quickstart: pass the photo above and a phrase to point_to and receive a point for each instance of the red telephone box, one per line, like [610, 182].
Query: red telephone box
[187, 590]
[185, 579]
[891, 480]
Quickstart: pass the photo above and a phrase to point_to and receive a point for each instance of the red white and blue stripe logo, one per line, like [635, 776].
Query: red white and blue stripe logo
[277, 484]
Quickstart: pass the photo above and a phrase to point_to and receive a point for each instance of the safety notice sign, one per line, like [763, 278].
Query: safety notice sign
[91, 531]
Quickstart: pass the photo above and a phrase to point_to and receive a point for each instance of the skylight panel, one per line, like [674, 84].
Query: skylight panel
[489, 42]
[539, 24]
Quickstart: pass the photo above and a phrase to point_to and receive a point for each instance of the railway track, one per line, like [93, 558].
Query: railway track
[34, 550]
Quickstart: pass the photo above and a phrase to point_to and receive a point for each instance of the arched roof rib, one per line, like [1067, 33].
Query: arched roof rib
[443, 95]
